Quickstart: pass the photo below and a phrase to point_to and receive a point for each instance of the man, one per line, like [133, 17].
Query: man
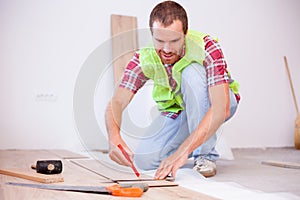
[192, 88]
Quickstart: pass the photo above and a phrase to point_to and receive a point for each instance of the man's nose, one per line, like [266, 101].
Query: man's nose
[167, 47]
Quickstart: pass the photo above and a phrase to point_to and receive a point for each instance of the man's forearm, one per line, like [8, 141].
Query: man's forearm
[113, 121]
[213, 119]
[113, 113]
[207, 127]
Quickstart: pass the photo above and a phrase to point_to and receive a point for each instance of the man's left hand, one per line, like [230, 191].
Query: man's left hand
[171, 165]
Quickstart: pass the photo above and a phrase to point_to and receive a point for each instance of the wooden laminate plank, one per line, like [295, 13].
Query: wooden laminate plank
[23, 159]
[9, 192]
[152, 183]
[124, 42]
[112, 172]
[292, 165]
[66, 154]
[120, 174]
[158, 189]
[32, 175]
[74, 175]
[20, 193]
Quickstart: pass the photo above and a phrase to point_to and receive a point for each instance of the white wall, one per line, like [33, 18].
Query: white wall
[44, 45]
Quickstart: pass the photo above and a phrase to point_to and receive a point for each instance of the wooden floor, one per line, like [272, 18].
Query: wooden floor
[77, 170]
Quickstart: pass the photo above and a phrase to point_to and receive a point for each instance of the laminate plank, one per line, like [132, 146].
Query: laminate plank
[124, 42]
[73, 175]
[121, 174]
[292, 165]
[21, 161]
[159, 189]
[109, 171]
[152, 183]
[20, 193]
[65, 154]
[33, 176]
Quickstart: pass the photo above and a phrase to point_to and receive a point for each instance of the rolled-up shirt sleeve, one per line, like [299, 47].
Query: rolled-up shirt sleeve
[133, 78]
[215, 64]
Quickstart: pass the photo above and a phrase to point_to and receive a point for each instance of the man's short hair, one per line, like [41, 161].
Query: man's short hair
[167, 12]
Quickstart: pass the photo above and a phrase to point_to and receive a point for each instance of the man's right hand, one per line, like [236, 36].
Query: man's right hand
[116, 154]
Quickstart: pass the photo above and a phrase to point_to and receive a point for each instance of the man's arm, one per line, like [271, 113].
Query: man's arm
[216, 115]
[113, 118]
[213, 119]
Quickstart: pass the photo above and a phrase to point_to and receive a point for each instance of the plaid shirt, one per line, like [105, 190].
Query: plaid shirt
[214, 63]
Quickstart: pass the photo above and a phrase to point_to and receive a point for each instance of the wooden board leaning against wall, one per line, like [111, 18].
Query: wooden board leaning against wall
[124, 42]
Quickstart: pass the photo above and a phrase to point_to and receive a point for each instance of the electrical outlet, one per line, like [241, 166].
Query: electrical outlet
[45, 97]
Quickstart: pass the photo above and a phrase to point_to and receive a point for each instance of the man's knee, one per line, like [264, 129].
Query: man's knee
[148, 161]
[194, 72]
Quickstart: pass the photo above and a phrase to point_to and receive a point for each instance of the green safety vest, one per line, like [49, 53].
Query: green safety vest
[152, 67]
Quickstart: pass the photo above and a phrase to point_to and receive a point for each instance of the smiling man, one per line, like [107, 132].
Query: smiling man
[193, 91]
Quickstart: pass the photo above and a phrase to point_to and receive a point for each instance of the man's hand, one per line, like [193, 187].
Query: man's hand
[171, 165]
[116, 155]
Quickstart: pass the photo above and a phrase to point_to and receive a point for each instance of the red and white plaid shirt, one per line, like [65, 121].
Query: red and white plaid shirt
[214, 63]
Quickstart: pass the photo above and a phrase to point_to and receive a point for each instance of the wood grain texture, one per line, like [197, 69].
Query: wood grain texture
[151, 183]
[65, 154]
[73, 175]
[120, 173]
[109, 171]
[124, 42]
[33, 176]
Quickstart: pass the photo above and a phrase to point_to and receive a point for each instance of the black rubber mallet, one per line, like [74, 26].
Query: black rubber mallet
[48, 166]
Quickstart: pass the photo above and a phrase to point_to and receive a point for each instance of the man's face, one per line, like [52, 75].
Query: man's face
[168, 41]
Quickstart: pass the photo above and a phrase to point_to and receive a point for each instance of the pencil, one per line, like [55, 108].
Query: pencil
[127, 158]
